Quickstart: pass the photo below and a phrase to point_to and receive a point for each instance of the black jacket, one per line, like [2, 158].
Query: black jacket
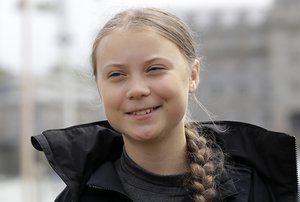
[262, 164]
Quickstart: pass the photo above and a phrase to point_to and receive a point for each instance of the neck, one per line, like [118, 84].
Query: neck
[164, 157]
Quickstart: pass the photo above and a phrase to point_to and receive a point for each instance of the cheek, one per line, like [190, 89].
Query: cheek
[173, 90]
[109, 96]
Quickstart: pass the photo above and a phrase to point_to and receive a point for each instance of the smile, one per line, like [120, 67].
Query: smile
[143, 112]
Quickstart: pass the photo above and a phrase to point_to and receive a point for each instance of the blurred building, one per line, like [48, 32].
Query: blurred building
[251, 65]
[250, 72]
[9, 123]
[50, 110]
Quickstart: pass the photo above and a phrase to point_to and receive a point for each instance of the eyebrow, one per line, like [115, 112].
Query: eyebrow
[113, 65]
[149, 61]
[157, 58]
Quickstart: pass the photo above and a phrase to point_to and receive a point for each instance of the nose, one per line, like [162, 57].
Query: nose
[137, 89]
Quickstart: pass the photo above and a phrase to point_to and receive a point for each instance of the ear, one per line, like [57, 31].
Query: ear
[194, 77]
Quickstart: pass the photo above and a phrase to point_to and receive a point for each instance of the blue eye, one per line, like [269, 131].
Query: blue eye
[155, 68]
[114, 74]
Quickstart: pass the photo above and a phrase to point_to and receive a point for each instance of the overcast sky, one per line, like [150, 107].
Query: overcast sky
[82, 20]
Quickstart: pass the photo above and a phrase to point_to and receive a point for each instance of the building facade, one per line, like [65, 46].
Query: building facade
[251, 65]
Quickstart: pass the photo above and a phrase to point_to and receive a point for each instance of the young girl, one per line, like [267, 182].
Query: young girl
[146, 66]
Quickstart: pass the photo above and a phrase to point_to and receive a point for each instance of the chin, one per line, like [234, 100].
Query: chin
[142, 136]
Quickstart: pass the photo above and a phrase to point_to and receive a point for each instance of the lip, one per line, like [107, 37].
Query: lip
[142, 113]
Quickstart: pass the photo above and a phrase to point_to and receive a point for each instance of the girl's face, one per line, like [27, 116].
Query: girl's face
[144, 82]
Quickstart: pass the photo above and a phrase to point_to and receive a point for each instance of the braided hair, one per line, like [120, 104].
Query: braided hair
[205, 165]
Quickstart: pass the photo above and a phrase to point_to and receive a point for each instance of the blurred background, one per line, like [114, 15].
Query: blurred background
[250, 54]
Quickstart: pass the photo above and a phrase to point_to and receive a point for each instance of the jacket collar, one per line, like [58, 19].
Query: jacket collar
[75, 152]
[105, 177]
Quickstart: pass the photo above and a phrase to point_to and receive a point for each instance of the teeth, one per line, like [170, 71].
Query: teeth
[143, 112]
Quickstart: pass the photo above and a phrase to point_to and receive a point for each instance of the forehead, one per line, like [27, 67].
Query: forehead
[133, 35]
[128, 42]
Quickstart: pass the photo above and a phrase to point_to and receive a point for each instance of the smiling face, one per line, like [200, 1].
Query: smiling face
[144, 83]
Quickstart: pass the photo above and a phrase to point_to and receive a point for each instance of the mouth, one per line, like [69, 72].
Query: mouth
[143, 111]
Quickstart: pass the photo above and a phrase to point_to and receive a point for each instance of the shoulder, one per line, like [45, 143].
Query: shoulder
[258, 156]
[242, 137]
[75, 152]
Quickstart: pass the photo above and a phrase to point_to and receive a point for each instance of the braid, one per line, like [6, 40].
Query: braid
[203, 164]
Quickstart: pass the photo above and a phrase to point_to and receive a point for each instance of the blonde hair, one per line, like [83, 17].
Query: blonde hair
[203, 164]
[164, 23]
